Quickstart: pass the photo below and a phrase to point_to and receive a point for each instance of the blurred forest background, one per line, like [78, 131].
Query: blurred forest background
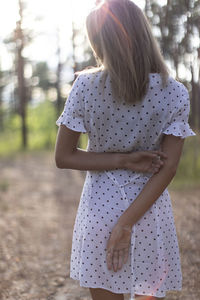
[42, 48]
[42, 44]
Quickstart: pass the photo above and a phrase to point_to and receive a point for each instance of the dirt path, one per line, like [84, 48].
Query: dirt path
[37, 209]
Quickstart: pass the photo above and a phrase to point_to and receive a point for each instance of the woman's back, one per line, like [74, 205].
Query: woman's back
[120, 127]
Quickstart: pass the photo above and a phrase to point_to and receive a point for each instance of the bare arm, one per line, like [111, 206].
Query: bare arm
[172, 146]
[68, 156]
[118, 243]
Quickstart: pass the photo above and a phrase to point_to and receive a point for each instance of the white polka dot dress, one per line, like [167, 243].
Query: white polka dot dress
[153, 266]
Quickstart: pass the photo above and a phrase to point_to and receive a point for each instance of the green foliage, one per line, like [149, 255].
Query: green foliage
[188, 173]
[41, 126]
[83, 141]
[41, 71]
[10, 141]
[41, 130]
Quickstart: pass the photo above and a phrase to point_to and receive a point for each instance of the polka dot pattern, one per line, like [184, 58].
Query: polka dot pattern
[153, 266]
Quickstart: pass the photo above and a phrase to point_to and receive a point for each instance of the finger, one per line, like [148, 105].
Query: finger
[160, 153]
[156, 171]
[115, 260]
[109, 261]
[155, 166]
[150, 154]
[158, 164]
[121, 259]
[126, 254]
[109, 258]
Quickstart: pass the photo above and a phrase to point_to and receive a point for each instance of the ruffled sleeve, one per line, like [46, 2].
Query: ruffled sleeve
[73, 113]
[178, 125]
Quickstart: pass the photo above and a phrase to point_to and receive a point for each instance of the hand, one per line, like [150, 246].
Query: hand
[118, 247]
[145, 161]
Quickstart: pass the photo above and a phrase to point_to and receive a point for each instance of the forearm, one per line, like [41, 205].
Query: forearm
[68, 156]
[172, 146]
[150, 193]
[91, 161]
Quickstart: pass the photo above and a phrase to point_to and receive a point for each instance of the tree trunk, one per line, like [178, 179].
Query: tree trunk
[22, 95]
[58, 73]
[193, 101]
[1, 110]
[198, 99]
[198, 93]
[19, 40]
[74, 48]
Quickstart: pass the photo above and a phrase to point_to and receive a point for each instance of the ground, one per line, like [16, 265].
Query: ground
[38, 204]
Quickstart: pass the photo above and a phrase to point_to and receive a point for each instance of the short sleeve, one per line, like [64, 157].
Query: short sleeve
[73, 113]
[178, 124]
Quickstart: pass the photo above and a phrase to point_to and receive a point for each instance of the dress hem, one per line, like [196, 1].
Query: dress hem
[125, 292]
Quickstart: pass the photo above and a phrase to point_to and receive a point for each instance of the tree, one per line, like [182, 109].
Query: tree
[58, 75]
[41, 71]
[88, 58]
[20, 44]
[178, 25]
[2, 85]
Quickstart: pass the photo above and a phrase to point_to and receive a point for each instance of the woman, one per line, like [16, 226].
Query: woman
[124, 238]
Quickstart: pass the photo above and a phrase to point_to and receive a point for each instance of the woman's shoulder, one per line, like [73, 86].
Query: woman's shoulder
[172, 82]
[90, 74]
[91, 80]
[172, 85]
[179, 92]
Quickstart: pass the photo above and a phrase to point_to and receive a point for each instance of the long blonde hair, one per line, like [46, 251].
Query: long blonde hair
[122, 40]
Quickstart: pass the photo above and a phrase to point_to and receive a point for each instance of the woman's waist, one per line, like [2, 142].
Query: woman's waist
[120, 177]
